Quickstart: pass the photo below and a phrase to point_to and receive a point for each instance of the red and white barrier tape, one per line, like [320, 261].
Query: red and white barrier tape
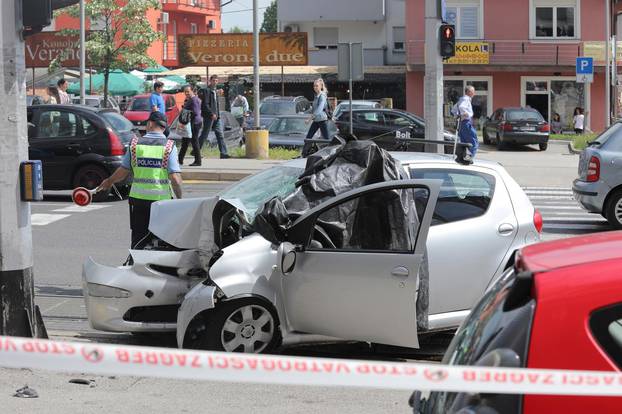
[104, 359]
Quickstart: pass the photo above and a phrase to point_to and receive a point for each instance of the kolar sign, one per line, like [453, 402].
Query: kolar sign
[236, 49]
[44, 47]
[470, 53]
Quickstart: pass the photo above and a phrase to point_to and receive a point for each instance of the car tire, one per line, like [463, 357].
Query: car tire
[543, 146]
[613, 209]
[90, 176]
[212, 330]
[485, 137]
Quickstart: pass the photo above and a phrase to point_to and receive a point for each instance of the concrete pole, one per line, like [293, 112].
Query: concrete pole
[433, 79]
[17, 310]
[607, 63]
[256, 63]
[82, 53]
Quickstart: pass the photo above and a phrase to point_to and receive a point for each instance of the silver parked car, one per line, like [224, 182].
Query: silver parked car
[598, 189]
[257, 295]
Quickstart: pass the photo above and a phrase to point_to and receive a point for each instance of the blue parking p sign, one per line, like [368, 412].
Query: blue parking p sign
[585, 69]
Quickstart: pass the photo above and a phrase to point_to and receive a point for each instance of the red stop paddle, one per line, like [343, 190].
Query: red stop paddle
[82, 196]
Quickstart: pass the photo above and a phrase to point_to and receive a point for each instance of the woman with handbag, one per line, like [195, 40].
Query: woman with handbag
[191, 114]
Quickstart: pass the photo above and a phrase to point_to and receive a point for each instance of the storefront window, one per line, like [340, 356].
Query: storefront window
[453, 89]
[566, 95]
[536, 86]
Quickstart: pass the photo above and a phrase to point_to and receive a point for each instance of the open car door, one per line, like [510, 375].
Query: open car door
[350, 268]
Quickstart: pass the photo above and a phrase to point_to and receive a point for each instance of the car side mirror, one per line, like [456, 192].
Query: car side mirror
[286, 258]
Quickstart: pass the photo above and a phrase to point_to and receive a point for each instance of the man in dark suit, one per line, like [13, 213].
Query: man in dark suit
[210, 111]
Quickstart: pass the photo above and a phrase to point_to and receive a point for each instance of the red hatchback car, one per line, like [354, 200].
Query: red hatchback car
[138, 110]
[559, 307]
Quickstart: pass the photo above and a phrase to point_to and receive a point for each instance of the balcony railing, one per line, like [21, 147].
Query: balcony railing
[170, 51]
[185, 4]
[512, 52]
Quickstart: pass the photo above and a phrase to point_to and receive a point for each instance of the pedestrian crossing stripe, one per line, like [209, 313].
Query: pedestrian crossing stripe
[40, 219]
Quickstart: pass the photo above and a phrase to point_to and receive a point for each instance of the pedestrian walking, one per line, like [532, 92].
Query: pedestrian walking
[156, 101]
[319, 116]
[210, 111]
[466, 132]
[578, 120]
[556, 124]
[191, 109]
[152, 159]
[53, 97]
[240, 109]
[64, 98]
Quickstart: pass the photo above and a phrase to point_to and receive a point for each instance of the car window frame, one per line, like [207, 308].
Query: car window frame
[38, 136]
[448, 170]
[307, 244]
[599, 322]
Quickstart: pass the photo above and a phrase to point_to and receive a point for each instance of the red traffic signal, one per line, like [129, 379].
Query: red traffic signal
[448, 40]
[448, 32]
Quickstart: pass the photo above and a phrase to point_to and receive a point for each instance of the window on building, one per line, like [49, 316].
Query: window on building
[326, 37]
[193, 28]
[554, 19]
[466, 17]
[398, 38]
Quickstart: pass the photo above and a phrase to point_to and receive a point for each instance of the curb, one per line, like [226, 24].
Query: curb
[572, 149]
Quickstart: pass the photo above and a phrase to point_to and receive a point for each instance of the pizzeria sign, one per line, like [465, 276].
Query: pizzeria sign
[236, 49]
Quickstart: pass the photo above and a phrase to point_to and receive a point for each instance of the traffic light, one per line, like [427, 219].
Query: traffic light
[448, 40]
[37, 14]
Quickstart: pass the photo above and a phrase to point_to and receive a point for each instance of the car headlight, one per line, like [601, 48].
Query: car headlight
[103, 291]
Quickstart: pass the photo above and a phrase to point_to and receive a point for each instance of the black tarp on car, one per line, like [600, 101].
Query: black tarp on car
[385, 221]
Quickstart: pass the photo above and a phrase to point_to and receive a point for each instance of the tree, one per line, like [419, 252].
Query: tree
[269, 19]
[123, 37]
[237, 29]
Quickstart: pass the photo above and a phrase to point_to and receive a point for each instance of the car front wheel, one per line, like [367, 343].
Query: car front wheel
[543, 146]
[246, 325]
[613, 210]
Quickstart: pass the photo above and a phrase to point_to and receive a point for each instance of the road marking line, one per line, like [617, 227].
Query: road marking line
[61, 303]
[554, 207]
[39, 219]
[78, 209]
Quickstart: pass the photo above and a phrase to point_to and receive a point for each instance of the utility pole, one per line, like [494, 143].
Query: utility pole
[17, 310]
[607, 63]
[82, 53]
[256, 63]
[433, 79]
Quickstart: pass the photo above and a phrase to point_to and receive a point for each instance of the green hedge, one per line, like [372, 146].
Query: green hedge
[579, 141]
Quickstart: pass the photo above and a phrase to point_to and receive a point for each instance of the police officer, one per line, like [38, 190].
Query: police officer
[153, 161]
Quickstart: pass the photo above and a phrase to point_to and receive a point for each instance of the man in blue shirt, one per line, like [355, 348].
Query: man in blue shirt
[156, 101]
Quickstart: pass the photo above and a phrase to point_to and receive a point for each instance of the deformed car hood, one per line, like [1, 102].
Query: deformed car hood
[188, 223]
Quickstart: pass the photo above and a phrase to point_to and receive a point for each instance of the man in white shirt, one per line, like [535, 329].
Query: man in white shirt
[464, 109]
[62, 92]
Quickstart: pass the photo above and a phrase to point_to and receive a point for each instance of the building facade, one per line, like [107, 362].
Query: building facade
[378, 24]
[176, 17]
[517, 53]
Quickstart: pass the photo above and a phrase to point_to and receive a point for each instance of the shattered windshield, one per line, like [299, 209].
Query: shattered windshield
[254, 191]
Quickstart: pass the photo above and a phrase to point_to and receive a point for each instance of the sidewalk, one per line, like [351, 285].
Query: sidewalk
[232, 169]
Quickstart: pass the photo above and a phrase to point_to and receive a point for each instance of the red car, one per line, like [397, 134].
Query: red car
[139, 108]
[559, 307]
